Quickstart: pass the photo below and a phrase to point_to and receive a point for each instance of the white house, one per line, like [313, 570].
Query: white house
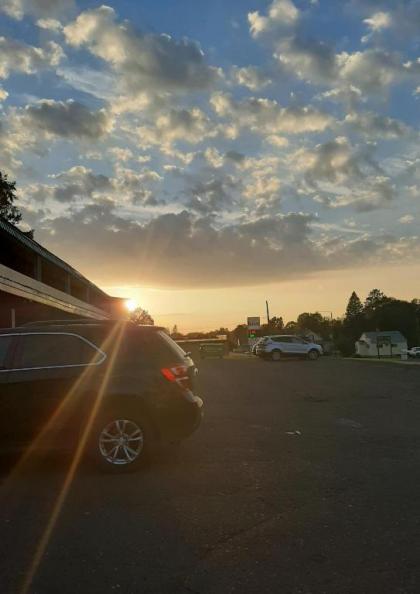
[384, 344]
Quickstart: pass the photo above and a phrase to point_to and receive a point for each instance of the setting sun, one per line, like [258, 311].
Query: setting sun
[131, 304]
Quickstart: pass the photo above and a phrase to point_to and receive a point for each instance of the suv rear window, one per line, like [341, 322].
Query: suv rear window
[145, 347]
[171, 346]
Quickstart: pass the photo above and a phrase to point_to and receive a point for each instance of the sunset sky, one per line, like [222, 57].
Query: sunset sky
[203, 156]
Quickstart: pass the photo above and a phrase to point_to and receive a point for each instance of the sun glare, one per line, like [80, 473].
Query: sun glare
[131, 304]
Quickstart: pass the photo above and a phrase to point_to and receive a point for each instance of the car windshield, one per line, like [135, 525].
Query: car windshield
[209, 296]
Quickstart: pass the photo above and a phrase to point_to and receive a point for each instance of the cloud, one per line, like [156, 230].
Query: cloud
[308, 59]
[3, 94]
[350, 95]
[282, 14]
[373, 125]
[187, 125]
[121, 153]
[68, 119]
[80, 184]
[371, 71]
[19, 57]
[377, 192]
[49, 25]
[250, 77]
[212, 195]
[399, 18]
[406, 219]
[337, 174]
[334, 161]
[378, 21]
[264, 116]
[17, 9]
[143, 62]
[181, 250]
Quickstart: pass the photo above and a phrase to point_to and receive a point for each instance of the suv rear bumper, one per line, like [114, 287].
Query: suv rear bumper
[176, 423]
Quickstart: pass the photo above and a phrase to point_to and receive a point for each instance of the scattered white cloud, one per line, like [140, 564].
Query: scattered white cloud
[250, 77]
[20, 57]
[120, 153]
[80, 184]
[406, 219]
[378, 21]
[187, 125]
[17, 9]
[265, 116]
[3, 94]
[376, 126]
[281, 14]
[68, 119]
[49, 24]
[154, 62]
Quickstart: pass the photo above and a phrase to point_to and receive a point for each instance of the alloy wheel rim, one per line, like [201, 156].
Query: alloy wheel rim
[121, 442]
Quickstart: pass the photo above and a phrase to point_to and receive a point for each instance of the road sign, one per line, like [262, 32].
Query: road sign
[254, 323]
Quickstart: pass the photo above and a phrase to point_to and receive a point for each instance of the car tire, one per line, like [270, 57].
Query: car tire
[120, 442]
[313, 355]
[276, 355]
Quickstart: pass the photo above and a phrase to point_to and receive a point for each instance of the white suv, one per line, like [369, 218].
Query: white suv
[274, 347]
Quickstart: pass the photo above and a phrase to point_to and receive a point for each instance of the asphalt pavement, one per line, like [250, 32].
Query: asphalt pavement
[303, 479]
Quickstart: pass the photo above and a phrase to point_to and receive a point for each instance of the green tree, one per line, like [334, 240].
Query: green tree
[239, 335]
[314, 322]
[375, 299]
[8, 210]
[354, 309]
[141, 317]
[274, 326]
[395, 314]
[291, 327]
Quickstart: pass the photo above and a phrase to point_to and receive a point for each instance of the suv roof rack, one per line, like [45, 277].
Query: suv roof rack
[63, 322]
[82, 321]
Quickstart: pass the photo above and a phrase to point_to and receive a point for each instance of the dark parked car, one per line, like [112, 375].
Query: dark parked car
[120, 389]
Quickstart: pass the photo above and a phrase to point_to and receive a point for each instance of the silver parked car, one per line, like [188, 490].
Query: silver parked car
[276, 347]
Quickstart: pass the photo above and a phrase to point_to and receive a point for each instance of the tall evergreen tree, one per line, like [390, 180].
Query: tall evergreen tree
[354, 307]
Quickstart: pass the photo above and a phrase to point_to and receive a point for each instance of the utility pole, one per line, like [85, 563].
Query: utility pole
[268, 312]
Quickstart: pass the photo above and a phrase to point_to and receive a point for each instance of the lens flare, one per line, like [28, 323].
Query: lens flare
[131, 304]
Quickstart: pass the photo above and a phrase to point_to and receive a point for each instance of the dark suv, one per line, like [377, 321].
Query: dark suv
[112, 389]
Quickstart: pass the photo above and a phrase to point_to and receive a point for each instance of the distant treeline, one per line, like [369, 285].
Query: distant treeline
[377, 312]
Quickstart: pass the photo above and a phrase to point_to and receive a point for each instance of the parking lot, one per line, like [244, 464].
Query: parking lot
[302, 479]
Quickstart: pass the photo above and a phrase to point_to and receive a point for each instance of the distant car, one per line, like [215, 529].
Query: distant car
[119, 389]
[276, 347]
[414, 352]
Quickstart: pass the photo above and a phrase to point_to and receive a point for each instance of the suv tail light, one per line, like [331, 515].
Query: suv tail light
[179, 375]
